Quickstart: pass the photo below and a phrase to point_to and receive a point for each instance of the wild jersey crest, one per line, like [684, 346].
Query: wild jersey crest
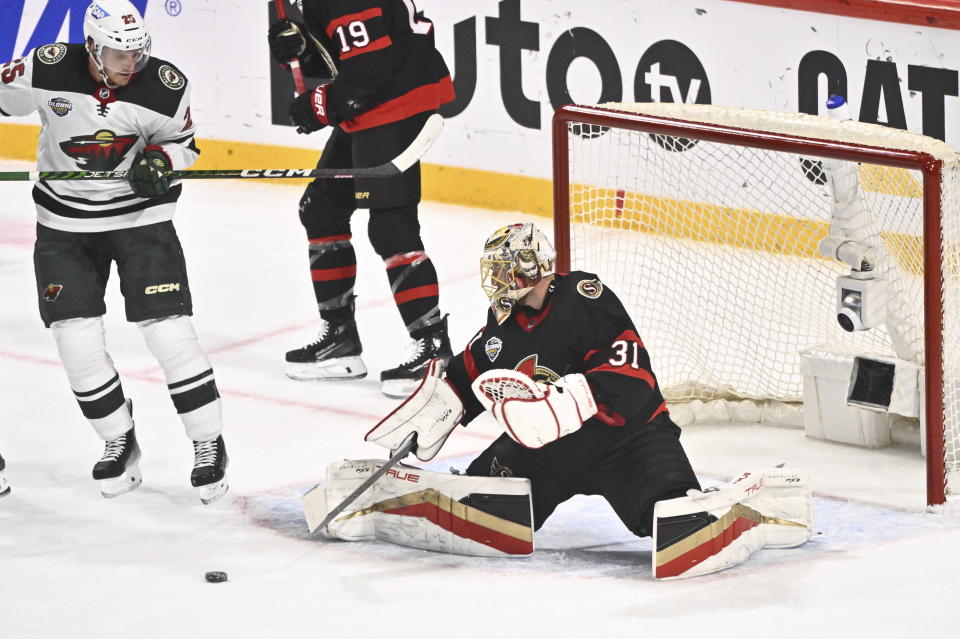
[51, 53]
[171, 78]
[102, 151]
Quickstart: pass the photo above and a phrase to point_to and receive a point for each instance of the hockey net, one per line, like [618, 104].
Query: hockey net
[706, 221]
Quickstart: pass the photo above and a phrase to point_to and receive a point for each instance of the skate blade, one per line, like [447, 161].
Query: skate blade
[340, 369]
[399, 388]
[116, 486]
[4, 487]
[212, 492]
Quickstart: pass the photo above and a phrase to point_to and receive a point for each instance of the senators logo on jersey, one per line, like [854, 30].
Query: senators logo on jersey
[530, 367]
[102, 151]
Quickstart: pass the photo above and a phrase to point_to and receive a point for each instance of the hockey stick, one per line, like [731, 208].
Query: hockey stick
[316, 493]
[410, 156]
[294, 63]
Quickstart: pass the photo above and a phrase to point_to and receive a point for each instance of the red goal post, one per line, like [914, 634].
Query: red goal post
[706, 220]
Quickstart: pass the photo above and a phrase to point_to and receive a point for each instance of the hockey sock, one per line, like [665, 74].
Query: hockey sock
[413, 280]
[190, 380]
[93, 378]
[333, 269]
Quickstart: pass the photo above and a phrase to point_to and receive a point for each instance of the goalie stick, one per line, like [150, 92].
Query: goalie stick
[407, 158]
[408, 445]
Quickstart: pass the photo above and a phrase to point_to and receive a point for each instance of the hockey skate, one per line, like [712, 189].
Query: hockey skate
[209, 474]
[118, 470]
[335, 355]
[4, 486]
[432, 342]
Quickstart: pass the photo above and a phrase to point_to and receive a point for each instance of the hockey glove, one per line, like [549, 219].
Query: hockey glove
[286, 41]
[535, 414]
[148, 175]
[432, 411]
[310, 111]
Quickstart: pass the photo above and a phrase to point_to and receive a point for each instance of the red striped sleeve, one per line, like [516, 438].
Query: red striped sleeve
[428, 97]
[625, 369]
[660, 409]
[629, 355]
[630, 336]
[468, 362]
[609, 416]
[360, 16]
[377, 45]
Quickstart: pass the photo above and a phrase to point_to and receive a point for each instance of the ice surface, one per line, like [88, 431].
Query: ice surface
[75, 565]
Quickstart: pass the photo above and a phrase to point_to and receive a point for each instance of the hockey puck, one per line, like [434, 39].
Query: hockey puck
[215, 576]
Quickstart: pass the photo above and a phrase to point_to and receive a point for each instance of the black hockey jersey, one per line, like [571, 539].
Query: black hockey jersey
[87, 126]
[383, 50]
[582, 328]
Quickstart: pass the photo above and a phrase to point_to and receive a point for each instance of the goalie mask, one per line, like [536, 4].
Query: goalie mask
[515, 258]
[116, 37]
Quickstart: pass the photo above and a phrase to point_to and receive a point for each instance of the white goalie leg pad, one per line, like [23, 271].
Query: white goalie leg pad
[705, 532]
[460, 514]
[189, 375]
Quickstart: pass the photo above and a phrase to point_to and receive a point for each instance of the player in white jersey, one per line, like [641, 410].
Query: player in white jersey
[108, 105]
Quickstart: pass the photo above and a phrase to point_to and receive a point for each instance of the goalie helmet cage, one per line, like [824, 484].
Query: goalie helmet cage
[706, 220]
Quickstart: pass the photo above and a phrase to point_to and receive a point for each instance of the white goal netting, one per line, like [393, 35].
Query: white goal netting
[713, 246]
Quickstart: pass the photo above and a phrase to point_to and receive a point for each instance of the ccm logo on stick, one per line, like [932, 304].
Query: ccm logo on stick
[161, 288]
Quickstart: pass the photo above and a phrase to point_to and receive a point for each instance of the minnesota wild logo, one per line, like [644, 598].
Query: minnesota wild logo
[102, 151]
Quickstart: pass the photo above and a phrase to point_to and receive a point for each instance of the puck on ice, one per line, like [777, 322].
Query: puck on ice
[215, 576]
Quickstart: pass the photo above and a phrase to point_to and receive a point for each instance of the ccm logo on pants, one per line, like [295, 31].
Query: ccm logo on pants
[162, 288]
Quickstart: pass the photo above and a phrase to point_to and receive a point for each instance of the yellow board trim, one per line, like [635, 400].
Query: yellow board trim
[449, 184]
[667, 217]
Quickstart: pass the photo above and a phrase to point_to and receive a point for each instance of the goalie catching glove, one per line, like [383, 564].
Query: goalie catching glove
[432, 411]
[532, 413]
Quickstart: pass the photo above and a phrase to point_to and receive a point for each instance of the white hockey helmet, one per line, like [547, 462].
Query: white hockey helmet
[515, 258]
[116, 36]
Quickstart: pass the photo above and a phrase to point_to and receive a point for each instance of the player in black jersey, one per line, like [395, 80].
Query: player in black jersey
[108, 105]
[382, 78]
[562, 368]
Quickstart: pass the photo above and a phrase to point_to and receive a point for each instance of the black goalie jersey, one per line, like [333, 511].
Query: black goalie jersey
[88, 127]
[582, 328]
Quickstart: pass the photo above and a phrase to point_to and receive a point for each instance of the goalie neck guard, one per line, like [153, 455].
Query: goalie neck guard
[515, 258]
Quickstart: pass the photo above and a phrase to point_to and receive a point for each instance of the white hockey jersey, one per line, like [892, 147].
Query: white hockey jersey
[87, 126]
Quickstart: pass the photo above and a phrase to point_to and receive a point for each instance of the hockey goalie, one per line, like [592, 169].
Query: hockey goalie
[560, 367]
